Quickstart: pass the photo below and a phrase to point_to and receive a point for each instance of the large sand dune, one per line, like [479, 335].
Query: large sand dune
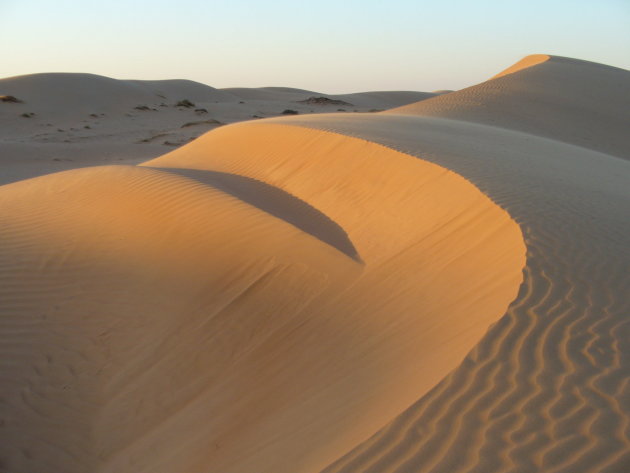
[578, 102]
[396, 292]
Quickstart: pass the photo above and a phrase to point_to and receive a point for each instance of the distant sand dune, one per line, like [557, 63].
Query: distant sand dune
[578, 102]
[61, 121]
[375, 100]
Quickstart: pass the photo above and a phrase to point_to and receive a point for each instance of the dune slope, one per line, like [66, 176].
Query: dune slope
[237, 305]
[578, 102]
[546, 389]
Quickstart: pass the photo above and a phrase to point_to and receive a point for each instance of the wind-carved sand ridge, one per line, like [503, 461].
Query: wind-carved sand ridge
[189, 314]
[163, 323]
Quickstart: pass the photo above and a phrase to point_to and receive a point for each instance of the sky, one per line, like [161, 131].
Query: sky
[330, 46]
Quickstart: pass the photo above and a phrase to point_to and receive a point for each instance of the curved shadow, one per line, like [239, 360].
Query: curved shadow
[275, 202]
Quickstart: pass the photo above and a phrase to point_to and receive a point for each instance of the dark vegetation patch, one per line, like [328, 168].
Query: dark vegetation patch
[10, 99]
[212, 121]
[151, 138]
[323, 101]
[185, 103]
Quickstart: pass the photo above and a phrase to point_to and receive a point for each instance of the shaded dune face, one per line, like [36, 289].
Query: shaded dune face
[262, 299]
[275, 202]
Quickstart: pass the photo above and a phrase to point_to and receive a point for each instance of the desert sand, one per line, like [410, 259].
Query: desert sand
[441, 287]
[69, 120]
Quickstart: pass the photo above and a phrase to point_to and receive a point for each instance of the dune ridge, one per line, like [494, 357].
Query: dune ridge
[290, 350]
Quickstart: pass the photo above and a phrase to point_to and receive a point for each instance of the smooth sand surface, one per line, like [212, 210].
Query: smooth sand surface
[385, 292]
[578, 102]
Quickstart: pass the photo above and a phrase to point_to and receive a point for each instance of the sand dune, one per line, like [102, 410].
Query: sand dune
[545, 389]
[422, 290]
[67, 91]
[385, 99]
[362, 100]
[578, 102]
[65, 120]
[185, 89]
[270, 93]
[278, 324]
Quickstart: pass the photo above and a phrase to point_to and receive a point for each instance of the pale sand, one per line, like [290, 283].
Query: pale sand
[578, 102]
[269, 296]
[89, 120]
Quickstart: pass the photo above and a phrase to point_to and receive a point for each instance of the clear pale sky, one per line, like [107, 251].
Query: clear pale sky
[327, 45]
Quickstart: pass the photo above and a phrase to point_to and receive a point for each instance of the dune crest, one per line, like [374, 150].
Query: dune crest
[527, 61]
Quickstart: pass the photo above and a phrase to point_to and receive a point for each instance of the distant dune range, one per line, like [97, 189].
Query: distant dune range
[69, 120]
[438, 288]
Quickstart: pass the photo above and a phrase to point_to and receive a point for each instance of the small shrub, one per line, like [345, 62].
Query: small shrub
[185, 103]
[9, 99]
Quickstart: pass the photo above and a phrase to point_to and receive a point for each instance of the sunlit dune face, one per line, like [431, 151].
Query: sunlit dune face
[268, 289]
